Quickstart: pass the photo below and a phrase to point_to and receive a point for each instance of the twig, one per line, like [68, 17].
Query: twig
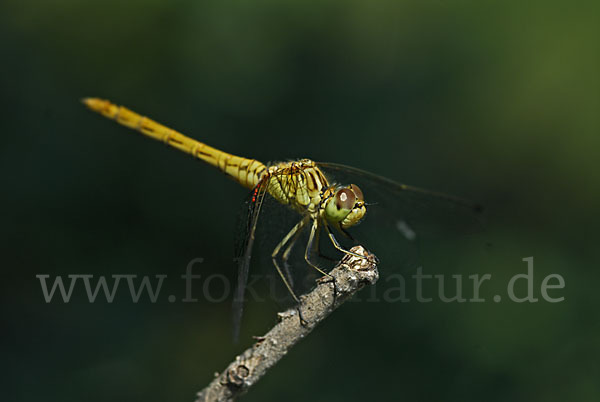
[351, 274]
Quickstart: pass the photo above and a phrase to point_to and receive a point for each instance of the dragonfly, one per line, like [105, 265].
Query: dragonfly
[323, 205]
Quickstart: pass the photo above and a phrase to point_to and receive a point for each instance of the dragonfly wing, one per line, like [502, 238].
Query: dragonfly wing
[244, 244]
[264, 223]
[411, 211]
[402, 222]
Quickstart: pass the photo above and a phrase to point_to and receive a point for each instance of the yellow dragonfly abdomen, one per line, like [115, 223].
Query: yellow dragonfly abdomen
[245, 171]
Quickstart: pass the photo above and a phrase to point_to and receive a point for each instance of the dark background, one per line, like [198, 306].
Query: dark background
[497, 102]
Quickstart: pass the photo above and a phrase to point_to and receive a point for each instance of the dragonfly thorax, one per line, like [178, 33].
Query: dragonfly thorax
[304, 187]
[299, 184]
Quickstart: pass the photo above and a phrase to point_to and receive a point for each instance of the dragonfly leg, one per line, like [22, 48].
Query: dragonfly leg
[291, 237]
[318, 248]
[337, 245]
[292, 233]
[288, 250]
[314, 233]
[303, 322]
[286, 253]
[309, 247]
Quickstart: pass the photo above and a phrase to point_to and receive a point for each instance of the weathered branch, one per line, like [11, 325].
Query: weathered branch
[351, 274]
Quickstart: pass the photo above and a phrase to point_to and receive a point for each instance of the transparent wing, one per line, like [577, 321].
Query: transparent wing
[244, 245]
[400, 217]
[263, 224]
[397, 217]
[411, 210]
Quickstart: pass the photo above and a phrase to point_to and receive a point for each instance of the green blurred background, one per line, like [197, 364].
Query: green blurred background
[495, 101]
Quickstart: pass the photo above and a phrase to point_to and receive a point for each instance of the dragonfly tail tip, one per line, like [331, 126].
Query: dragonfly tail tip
[95, 104]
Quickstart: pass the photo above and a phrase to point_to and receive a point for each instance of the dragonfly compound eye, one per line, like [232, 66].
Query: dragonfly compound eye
[345, 199]
[357, 192]
[340, 205]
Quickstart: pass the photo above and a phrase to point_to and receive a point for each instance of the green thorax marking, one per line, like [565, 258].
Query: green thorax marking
[298, 184]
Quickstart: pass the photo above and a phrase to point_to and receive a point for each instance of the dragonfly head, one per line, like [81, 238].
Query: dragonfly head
[346, 207]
